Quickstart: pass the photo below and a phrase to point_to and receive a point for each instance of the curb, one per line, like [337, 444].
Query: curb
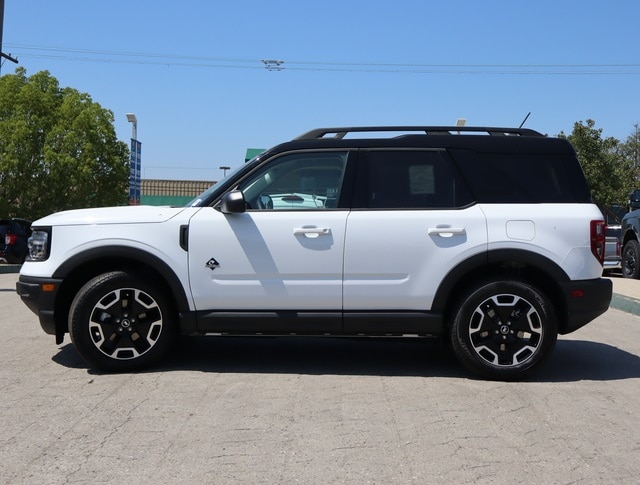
[625, 304]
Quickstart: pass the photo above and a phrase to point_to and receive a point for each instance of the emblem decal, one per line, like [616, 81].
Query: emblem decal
[212, 264]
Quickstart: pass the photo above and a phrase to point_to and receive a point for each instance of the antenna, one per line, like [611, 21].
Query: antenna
[525, 119]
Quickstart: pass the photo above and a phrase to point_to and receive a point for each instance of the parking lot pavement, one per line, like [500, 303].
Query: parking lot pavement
[278, 410]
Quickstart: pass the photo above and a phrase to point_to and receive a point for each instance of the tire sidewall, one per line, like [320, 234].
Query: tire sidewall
[461, 340]
[85, 301]
[632, 247]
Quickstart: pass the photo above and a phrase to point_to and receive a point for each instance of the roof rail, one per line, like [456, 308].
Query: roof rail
[339, 133]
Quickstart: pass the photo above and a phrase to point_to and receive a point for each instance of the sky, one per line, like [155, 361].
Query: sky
[193, 71]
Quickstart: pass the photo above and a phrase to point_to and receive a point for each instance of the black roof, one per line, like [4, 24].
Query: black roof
[481, 139]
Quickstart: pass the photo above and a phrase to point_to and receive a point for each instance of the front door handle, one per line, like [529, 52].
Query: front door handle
[311, 231]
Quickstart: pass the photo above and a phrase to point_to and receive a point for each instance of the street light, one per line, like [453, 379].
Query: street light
[131, 118]
[224, 170]
[135, 164]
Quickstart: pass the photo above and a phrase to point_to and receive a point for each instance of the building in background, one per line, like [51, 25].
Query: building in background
[171, 192]
[178, 192]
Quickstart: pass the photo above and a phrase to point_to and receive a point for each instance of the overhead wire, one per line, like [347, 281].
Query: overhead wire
[179, 60]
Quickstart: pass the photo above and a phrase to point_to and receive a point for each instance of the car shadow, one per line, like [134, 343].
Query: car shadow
[572, 360]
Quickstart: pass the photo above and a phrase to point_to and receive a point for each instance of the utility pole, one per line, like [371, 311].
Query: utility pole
[2, 54]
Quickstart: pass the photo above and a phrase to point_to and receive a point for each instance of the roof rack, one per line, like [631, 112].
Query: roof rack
[339, 133]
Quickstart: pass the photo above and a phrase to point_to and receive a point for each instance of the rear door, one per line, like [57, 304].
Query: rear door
[412, 222]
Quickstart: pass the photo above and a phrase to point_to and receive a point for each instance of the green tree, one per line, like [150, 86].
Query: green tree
[630, 150]
[609, 173]
[58, 149]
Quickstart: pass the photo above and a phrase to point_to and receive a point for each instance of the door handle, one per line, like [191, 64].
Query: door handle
[444, 231]
[311, 231]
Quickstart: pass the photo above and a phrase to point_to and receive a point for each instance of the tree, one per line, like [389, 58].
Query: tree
[630, 150]
[609, 173]
[58, 149]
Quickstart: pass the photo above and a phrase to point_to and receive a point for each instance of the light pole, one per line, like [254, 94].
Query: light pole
[224, 170]
[135, 165]
[131, 118]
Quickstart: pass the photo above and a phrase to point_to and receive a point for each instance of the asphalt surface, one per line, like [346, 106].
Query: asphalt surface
[319, 411]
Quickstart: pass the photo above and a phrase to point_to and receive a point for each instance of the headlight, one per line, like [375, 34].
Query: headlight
[39, 244]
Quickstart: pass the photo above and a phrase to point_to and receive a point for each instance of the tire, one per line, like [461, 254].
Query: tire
[631, 259]
[122, 322]
[503, 329]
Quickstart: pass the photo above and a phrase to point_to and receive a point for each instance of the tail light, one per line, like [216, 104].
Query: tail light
[598, 240]
[10, 239]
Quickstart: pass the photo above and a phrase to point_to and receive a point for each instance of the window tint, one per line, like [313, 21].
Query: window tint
[523, 177]
[412, 179]
[307, 181]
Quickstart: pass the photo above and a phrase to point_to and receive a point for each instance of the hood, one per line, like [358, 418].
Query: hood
[110, 215]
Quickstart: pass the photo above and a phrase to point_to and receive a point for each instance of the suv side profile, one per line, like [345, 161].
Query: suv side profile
[486, 237]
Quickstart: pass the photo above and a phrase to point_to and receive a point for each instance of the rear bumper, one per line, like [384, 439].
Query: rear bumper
[39, 294]
[585, 301]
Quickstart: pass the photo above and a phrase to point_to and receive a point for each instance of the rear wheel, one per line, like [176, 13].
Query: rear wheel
[502, 329]
[120, 322]
[631, 259]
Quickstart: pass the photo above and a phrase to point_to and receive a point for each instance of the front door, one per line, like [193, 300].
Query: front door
[285, 253]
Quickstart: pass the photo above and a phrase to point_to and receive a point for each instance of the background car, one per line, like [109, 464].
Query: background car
[612, 250]
[14, 234]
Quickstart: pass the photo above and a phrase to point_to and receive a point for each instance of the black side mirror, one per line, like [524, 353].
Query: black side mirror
[233, 203]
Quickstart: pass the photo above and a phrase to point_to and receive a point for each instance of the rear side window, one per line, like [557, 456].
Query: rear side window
[409, 179]
[523, 178]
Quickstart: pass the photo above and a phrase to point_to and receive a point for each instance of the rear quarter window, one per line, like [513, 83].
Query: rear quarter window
[524, 178]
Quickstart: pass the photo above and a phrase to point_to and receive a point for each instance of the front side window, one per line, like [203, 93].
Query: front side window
[296, 181]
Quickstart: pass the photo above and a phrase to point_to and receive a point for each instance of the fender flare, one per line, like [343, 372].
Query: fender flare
[127, 252]
[474, 265]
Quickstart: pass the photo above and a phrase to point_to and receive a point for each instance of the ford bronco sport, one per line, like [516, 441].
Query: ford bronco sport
[486, 237]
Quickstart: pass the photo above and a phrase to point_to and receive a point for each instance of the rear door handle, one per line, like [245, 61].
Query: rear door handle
[446, 231]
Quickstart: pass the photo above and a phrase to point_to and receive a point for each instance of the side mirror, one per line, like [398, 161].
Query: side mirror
[233, 203]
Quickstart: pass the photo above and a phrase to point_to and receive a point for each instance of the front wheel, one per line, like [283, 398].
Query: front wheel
[121, 322]
[502, 329]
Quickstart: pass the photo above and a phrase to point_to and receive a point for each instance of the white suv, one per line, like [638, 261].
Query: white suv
[484, 236]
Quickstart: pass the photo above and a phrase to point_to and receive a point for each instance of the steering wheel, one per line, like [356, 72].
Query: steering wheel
[264, 202]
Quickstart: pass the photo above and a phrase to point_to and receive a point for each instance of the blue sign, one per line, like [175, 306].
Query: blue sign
[135, 172]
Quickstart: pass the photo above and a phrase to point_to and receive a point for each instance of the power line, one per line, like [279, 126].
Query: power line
[171, 60]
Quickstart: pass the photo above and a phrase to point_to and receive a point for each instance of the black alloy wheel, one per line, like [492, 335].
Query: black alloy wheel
[502, 329]
[120, 322]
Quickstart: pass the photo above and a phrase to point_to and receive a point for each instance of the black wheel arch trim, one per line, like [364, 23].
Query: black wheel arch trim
[494, 258]
[126, 252]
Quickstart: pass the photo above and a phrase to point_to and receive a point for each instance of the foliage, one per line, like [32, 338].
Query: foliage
[610, 174]
[630, 150]
[58, 149]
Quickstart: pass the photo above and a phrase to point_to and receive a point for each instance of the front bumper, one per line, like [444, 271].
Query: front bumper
[585, 301]
[39, 294]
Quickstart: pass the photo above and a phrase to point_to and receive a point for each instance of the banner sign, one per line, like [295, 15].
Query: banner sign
[135, 171]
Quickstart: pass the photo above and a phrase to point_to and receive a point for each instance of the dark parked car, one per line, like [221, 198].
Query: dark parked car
[14, 234]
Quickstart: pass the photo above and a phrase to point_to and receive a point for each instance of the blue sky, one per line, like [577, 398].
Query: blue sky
[192, 70]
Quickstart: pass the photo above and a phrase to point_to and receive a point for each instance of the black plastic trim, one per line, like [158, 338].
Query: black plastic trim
[586, 300]
[125, 252]
[320, 322]
[39, 302]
